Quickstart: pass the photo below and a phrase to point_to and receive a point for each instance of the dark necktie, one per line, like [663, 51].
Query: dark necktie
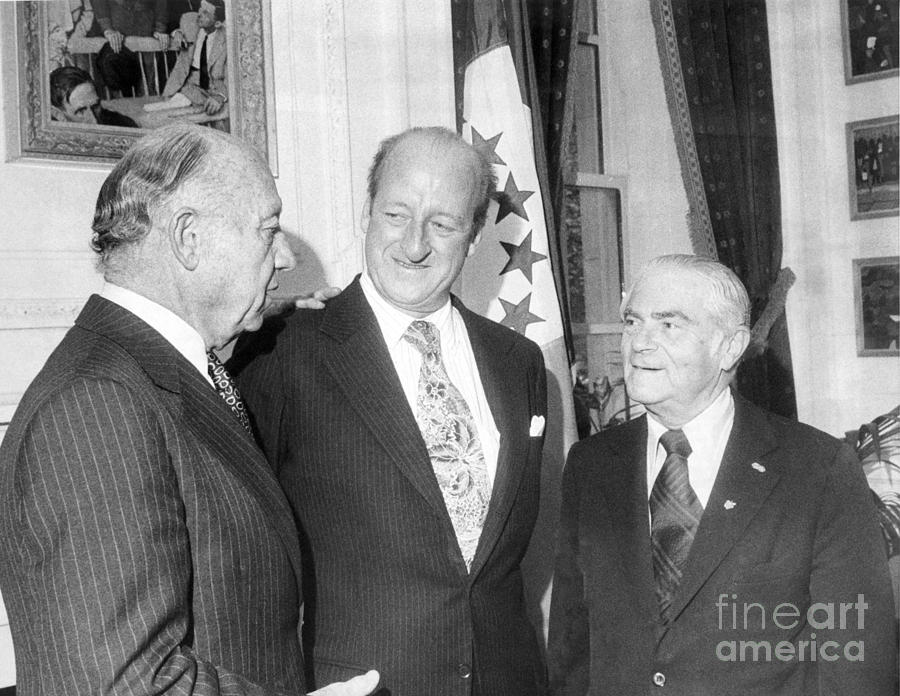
[204, 68]
[675, 513]
[227, 389]
[454, 447]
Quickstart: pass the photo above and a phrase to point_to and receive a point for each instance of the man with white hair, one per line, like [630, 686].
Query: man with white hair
[710, 547]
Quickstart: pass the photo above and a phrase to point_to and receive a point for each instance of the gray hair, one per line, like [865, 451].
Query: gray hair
[728, 301]
[482, 169]
[146, 178]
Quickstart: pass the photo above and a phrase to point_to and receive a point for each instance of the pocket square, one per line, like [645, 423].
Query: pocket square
[536, 429]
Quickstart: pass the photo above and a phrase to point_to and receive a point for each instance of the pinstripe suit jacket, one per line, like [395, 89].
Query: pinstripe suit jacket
[391, 591]
[145, 546]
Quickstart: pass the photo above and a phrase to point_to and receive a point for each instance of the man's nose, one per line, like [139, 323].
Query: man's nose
[284, 257]
[415, 241]
[640, 338]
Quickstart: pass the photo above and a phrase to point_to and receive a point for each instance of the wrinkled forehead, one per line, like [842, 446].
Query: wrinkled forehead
[670, 290]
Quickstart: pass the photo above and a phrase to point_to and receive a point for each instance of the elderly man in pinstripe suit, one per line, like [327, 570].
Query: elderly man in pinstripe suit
[145, 545]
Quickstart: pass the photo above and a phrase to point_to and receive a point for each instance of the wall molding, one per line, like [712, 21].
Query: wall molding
[41, 313]
[347, 252]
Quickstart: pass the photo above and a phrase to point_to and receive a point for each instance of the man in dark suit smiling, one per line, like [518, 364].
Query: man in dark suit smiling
[710, 547]
[407, 433]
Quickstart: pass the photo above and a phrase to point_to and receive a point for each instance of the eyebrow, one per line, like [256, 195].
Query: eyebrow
[671, 314]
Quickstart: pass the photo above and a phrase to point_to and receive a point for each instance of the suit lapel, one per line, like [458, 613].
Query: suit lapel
[203, 411]
[491, 357]
[739, 491]
[625, 490]
[360, 363]
[217, 48]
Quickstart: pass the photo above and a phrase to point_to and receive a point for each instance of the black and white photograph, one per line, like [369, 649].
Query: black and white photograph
[870, 31]
[876, 292]
[872, 151]
[449, 347]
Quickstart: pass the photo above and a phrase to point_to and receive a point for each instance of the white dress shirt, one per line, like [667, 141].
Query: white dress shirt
[183, 337]
[456, 353]
[198, 44]
[708, 434]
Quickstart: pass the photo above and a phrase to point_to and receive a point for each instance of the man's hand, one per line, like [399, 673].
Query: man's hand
[163, 40]
[317, 299]
[115, 38]
[358, 686]
[177, 40]
[214, 104]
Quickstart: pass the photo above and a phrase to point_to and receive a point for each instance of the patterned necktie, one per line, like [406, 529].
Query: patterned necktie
[227, 390]
[449, 431]
[675, 513]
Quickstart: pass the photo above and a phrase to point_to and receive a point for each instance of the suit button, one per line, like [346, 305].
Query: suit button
[463, 670]
[659, 679]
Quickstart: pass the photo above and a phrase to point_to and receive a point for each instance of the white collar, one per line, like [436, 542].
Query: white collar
[394, 322]
[183, 337]
[703, 430]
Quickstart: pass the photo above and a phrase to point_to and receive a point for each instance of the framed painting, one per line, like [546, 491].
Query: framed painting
[872, 147]
[869, 30]
[134, 79]
[876, 293]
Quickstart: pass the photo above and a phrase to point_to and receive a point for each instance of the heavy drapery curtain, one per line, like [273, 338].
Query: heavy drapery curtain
[718, 78]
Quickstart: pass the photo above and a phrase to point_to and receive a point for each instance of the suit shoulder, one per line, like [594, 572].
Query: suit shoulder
[279, 334]
[797, 435]
[497, 333]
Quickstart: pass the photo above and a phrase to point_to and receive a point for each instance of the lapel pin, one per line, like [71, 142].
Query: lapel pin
[729, 504]
[759, 467]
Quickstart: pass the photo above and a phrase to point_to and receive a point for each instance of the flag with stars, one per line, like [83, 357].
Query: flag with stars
[509, 278]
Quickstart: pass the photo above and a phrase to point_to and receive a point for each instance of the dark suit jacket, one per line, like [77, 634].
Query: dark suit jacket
[789, 521]
[144, 542]
[390, 587]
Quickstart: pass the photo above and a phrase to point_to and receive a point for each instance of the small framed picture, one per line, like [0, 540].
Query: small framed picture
[872, 147]
[876, 293]
[869, 31]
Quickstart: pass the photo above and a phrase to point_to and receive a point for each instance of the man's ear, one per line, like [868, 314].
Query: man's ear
[474, 243]
[734, 348]
[182, 230]
[366, 215]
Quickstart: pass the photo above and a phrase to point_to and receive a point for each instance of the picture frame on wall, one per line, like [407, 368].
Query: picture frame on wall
[872, 152]
[869, 30]
[52, 35]
[876, 293]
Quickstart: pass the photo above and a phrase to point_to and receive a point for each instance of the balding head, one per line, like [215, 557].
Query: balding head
[160, 167]
[439, 138]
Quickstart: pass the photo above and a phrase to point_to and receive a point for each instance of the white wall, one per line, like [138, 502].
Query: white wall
[836, 389]
[638, 140]
[346, 74]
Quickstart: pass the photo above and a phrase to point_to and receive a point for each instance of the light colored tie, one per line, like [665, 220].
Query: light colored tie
[675, 515]
[449, 431]
[227, 389]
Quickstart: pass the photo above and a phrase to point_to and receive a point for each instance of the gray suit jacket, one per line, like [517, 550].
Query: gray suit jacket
[145, 546]
[181, 80]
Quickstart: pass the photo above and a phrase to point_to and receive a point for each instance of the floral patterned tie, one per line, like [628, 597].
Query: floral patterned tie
[449, 431]
[227, 390]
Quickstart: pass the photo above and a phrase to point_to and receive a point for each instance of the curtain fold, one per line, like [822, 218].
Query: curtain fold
[718, 79]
